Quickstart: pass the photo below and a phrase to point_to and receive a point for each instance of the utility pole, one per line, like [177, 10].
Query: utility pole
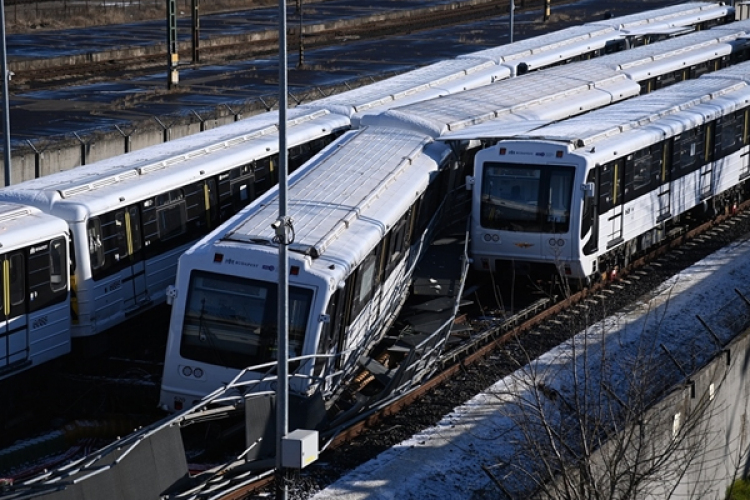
[196, 30]
[6, 98]
[173, 53]
[282, 236]
[301, 62]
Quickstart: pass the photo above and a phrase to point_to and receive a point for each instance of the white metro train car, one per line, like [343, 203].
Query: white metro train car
[363, 212]
[579, 198]
[34, 299]
[130, 217]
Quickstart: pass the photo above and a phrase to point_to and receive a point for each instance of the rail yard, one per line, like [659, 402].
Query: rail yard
[90, 400]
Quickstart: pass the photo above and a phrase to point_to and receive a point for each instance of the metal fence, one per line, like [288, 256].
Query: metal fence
[95, 11]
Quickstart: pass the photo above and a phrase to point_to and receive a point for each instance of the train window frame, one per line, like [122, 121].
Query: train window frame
[729, 133]
[643, 169]
[96, 246]
[397, 243]
[43, 263]
[589, 204]
[366, 281]
[610, 184]
[171, 214]
[58, 277]
[17, 278]
[685, 151]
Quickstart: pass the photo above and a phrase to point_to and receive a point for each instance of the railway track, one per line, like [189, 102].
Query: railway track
[500, 345]
[104, 397]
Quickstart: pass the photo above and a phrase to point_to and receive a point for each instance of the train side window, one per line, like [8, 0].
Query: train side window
[134, 228]
[610, 185]
[72, 253]
[46, 273]
[171, 214]
[729, 133]
[128, 231]
[708, 142]
[264, 170]
[17, 279]
[587, 214]
[57, 262]
[642, 170]
[686, 155]
[397, 243]
[241, 185]
[96, 248]
[366, 282]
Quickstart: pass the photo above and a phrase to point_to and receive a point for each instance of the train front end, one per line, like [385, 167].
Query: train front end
[224, 325]
[526, 210]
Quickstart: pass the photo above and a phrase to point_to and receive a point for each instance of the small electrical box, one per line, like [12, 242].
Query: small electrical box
[299, 449]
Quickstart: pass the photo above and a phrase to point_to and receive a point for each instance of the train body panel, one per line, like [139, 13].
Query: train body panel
[361, 221]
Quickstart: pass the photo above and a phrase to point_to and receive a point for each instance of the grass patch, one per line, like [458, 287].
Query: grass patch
[740, 490]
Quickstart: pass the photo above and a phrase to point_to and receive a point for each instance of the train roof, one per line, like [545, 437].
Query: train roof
[556, 41]
[539, 97]
[444, 77]
[596, 34]
[362, 185]
[588, 129]
[123, 177]
[676, 15]
[21, 225]
[635, 65]
[170, 153]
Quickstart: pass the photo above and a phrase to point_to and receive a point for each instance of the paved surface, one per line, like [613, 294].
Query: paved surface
[50, 115]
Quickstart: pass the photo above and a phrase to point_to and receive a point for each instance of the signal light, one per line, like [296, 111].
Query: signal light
[558, 154]
[502, 151]
[218, 257]
[294, 270]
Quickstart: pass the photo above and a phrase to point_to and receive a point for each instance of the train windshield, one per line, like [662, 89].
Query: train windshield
[231, 321]
[526, 198]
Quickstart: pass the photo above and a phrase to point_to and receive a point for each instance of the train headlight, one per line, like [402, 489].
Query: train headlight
[495, 238]
[187, 371]
[198, 372]
[487, 238]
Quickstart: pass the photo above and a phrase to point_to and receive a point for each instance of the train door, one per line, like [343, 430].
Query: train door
[114, 246]
[135, 291]
[706, 169]
[611, 200]
[665, 191]
[14, 332]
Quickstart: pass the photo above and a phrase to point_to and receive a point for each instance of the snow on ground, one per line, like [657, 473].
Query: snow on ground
[445, 461]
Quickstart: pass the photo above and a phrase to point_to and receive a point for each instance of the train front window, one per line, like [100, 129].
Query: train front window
[232, 321]
[526, 198]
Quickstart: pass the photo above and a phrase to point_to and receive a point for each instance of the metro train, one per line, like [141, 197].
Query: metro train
[130, 217]
[576, 200]
[361, 223]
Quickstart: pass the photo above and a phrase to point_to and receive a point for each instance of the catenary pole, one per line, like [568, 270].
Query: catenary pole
[6, 98]
[281, 227]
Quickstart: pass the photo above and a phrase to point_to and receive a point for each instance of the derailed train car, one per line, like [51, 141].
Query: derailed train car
[361, 223]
